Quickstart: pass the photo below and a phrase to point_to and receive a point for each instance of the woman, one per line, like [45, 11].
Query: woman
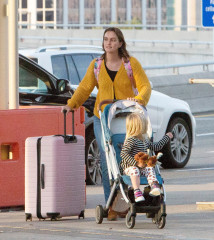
[113, 83]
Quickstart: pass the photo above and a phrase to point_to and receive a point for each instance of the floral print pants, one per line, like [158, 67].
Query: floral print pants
[148, 172]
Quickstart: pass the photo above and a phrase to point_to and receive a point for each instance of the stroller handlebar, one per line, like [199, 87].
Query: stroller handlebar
[108, 101]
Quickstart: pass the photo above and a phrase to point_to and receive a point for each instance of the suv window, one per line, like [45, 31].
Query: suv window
[82, 62]
[72, 71]
[59, 66]
[95, 55]
[30, 82]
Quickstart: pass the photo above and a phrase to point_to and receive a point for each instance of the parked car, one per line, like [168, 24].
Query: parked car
[67, 61]
[166, 113]
[39, 87]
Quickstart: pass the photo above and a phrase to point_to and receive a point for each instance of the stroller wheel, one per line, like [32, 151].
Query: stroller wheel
[160, 217]
[130, 220]
[99, 214]
[161, 222]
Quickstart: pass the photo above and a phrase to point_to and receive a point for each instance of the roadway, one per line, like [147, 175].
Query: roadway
[184, 187]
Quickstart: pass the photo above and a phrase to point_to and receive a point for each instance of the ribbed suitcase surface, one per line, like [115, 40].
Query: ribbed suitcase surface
[58, 188]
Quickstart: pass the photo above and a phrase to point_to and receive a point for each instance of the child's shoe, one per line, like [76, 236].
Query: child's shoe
[138, 195]
[155, 190]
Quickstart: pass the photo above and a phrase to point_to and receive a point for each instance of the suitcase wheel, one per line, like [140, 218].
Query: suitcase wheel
[82, 214]
[28, 216]
[53, 216]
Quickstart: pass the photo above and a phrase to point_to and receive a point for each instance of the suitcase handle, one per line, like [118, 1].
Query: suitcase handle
[43, 176]
[69, 139]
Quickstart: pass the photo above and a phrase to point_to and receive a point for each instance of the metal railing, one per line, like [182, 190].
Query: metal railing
[176, 67]
[133, 42]
[209, 81]
[121, 26]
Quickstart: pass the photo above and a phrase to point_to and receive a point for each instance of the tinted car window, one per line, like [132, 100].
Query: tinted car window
[95, 55]
[34, 59]
[82, 62]
[31, 82]
[60, 69]
[72, 71]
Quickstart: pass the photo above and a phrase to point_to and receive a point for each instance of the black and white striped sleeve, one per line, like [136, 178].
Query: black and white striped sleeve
[157, 146]
[127, 158]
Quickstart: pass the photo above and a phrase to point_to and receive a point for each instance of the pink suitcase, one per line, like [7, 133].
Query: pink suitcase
[55, 176]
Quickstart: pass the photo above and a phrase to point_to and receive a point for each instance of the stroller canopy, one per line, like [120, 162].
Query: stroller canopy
[114, 117]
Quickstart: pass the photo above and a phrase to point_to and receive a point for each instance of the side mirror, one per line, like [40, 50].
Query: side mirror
[63, 86]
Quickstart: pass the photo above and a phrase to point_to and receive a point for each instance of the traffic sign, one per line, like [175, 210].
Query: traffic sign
[208, 13]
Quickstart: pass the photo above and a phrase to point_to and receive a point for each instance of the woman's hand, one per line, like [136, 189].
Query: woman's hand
[66, 108]
[132, 99]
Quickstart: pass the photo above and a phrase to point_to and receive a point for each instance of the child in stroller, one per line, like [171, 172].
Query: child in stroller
[137, 141]
[113, 124]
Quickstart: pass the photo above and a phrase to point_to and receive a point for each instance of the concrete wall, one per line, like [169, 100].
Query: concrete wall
[200, 97]
[128, 33]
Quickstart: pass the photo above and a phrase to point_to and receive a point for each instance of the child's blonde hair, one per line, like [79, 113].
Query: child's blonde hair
[136, 126]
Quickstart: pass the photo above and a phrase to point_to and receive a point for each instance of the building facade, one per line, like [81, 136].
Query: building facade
[150, 14]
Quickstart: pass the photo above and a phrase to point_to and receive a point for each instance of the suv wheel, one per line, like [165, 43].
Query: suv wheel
[176, 153]
[92, 154]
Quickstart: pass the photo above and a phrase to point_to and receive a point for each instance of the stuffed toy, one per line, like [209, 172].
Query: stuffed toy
[142, 157]
[146, 160]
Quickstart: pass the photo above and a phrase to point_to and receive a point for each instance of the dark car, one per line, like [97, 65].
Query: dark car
[39, 87]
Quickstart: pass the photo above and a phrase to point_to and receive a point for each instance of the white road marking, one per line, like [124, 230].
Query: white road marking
[204, 134]
[194, 169]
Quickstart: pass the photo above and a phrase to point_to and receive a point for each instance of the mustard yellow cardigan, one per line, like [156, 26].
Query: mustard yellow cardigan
[121, 87]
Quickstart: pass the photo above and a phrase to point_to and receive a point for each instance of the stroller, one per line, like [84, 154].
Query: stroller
[121, 199]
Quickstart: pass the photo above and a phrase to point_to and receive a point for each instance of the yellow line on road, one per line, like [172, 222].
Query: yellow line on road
[207, 115]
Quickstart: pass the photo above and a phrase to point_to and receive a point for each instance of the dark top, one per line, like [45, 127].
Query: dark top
[111, 73]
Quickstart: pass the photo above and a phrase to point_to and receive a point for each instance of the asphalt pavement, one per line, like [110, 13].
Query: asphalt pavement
[184, 187]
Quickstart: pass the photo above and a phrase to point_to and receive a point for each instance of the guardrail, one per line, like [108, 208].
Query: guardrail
[176, 67]
[103, 26]
[134, 42]
[201, 80]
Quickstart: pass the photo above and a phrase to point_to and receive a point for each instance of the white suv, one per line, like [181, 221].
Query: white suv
[166, 113]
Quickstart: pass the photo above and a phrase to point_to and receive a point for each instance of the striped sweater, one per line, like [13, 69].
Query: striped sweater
[133, 145]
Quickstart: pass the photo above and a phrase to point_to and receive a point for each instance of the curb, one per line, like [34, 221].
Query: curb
[205, 205]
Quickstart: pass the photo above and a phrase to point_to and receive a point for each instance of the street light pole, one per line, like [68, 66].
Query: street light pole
[4, 73]
[13, 55]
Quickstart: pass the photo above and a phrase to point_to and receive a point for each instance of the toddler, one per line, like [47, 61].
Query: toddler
[137, 141]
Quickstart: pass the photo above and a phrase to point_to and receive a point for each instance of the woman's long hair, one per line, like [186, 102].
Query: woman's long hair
[123, 53]
[136, 126]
